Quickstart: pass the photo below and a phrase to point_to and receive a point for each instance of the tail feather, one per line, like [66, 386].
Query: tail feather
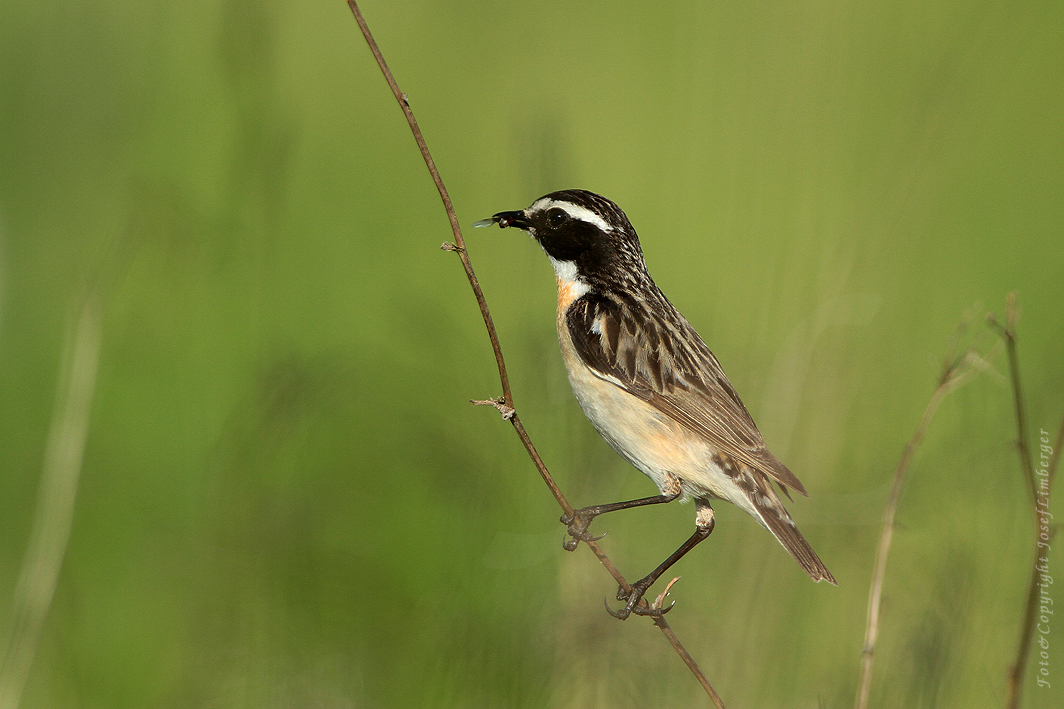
[771, 513]
[784, 529]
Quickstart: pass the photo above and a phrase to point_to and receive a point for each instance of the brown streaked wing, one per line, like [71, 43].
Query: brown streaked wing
[669, 366]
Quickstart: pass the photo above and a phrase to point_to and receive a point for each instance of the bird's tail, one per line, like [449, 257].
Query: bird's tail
[771, 513]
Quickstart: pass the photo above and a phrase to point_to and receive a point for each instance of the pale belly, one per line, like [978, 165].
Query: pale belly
[654, 443]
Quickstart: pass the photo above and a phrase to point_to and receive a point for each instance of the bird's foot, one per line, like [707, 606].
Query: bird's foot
[577, 524]
[632, 601]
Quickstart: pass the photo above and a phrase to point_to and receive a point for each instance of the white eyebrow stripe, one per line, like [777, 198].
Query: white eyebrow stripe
[573, 210]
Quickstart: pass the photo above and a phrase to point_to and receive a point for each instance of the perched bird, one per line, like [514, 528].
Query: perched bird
[649, 384]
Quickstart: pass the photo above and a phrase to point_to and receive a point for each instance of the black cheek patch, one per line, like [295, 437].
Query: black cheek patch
[573, 241]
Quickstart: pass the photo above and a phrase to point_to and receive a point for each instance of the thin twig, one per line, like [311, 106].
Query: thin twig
[1034, 590]
[506, 406]
[1008, 334]
[1037, 492]
[55, 503]
[688, 660]
[954, 374]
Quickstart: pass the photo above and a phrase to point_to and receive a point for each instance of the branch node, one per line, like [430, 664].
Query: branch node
[508, 412]
[448, 246]
[660, 600]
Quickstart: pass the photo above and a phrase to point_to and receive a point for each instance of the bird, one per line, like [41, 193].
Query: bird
[650, 385]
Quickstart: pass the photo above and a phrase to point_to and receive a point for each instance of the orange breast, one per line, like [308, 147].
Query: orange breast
[567, 293]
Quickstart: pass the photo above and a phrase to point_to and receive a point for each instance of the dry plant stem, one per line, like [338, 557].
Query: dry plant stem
[954, 375]
[448, 207]
[459, 248]
[1019, 667]
[689, 661]
[55, 504]
[1008, 334]
[507, 400]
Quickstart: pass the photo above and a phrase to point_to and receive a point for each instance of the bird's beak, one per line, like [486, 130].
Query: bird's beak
[504, 219]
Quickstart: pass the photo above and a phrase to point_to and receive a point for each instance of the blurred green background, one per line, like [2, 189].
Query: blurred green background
[286, 499]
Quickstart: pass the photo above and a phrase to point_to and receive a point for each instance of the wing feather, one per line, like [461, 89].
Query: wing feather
[662, 360]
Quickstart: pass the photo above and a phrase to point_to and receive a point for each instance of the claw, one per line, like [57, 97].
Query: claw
[632, 604]
[570, 541]
[637, 609]
[632, 600]
[653, 612]
[577, 531]
[619, 615]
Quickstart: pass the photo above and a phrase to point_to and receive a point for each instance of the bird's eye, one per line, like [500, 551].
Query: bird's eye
[556, 217]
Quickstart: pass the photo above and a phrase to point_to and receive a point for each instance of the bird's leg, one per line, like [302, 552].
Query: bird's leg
[703, 527]
[579, 520]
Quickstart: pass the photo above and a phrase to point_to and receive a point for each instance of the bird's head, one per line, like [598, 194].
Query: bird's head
[586, 236]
